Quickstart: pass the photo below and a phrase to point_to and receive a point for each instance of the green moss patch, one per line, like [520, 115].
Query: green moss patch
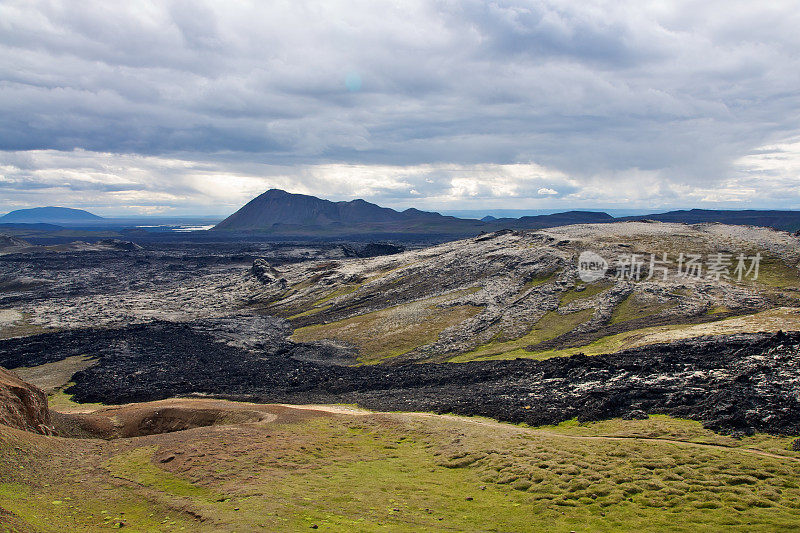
[590, 290]
[319, 305]
[635, 306]
[774, 272]
[551, 325]
[391, 332]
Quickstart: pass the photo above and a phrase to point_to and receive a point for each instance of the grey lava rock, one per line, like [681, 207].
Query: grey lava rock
[373, 249]
[636, 414]
[118, 244]
[7, 241]
[264, 272]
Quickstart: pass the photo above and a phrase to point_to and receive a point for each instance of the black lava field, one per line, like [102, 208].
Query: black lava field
[733, 384]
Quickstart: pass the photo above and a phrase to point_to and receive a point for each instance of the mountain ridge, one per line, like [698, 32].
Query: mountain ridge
[276, 206]
[279, 212]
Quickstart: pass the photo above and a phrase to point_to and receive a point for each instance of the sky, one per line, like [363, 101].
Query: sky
[178, 107]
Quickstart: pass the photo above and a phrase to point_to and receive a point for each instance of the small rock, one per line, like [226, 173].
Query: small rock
[118, 244]
[468, 498]
[264, 272]
[743, 432]
[636, 414]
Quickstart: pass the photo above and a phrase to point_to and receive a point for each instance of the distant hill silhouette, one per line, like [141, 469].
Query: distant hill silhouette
[49, 215]
[783, 220]
[280, 207]
[278, 212]
[556, 219]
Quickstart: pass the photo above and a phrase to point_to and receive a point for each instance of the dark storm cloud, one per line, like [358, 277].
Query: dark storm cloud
[595, 90]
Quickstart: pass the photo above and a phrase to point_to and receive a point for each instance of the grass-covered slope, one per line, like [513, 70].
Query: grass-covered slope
[355, 471]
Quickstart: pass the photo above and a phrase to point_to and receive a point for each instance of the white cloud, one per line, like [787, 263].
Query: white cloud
[105, 181]
[137, 184]
[200, 105]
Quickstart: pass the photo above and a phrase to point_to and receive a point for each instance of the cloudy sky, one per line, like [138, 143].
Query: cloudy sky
[194, 107]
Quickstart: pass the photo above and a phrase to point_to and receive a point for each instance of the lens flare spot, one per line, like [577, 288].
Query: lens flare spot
[353, 82]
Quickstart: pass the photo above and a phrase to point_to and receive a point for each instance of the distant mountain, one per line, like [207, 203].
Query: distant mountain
[50, 215]
[782, 220]
[556, 219]
[279, 213]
